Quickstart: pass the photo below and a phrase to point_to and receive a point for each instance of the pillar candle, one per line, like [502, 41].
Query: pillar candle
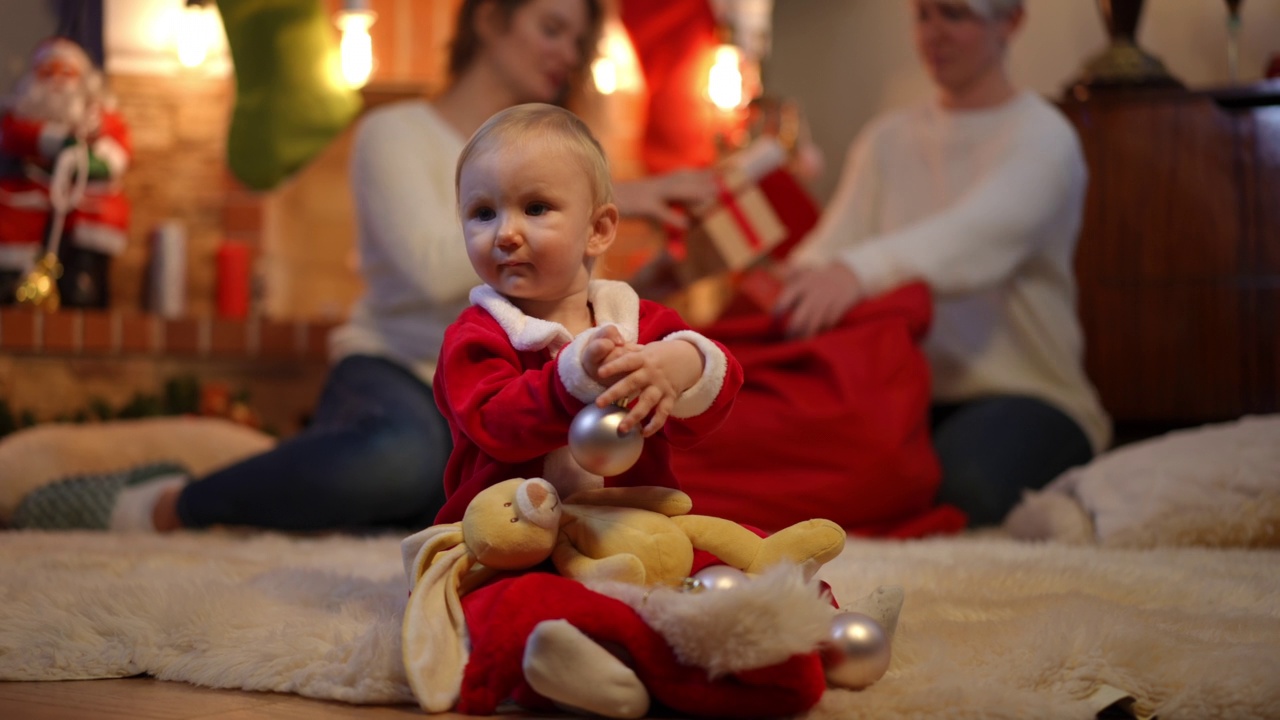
[233, 280]
[168, 271]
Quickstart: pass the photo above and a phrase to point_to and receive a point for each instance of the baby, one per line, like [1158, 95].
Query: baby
[542, 339]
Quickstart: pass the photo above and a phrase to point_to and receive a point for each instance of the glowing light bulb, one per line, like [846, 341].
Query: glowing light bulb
[615, 68]
[604, 71]
[196, 29]
[356, 47]
[724, 82]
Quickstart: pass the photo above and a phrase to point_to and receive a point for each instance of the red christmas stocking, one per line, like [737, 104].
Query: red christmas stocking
[675, 41]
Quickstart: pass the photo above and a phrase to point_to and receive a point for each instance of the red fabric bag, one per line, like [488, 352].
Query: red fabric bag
[835, 426]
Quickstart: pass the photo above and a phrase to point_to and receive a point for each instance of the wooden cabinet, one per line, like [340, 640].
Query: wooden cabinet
[1179, 256]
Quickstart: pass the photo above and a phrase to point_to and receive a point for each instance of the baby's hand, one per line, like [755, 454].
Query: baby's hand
[605, 345]
[655, 375]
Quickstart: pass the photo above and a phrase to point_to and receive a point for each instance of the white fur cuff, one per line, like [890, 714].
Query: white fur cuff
[572, 374]
[697, 399]
[113, 154]
[760, 623]
[52, 137]
[105, 239]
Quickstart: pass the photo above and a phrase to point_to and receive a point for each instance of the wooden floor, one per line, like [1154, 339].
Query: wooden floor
[146, 698]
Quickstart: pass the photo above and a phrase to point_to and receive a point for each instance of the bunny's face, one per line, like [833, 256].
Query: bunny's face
[514, 524]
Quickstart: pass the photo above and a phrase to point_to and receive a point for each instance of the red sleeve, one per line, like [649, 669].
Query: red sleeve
[510, 404]
[20, 138]
[114, 127]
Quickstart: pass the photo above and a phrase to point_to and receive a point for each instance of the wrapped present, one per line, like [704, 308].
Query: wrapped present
[761, 213]
[740, 225]
[740, 229]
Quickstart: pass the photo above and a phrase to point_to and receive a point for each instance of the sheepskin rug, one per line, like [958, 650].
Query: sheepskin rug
[991, 628]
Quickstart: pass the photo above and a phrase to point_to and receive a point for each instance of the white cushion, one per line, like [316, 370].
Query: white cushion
[1216, 485]
[45, 453]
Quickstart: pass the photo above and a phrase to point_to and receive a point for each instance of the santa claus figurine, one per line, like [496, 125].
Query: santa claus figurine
[64, 150]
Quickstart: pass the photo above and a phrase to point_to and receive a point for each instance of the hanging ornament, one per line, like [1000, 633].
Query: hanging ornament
[39, 287]
[856, 652]
[594, 441]
[715, 578]
[70, 177]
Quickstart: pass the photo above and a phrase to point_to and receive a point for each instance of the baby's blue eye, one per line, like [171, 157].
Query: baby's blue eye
[483, 214]
[536, 209]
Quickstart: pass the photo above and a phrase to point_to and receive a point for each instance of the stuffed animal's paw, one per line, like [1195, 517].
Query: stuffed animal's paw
[818, 541]
[569, 668]
[625, 568]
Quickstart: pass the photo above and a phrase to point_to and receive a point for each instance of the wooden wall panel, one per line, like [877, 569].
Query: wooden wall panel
[1261, 197]
[1167, 353]
[1260, 166]
[1179, 257]
[1151, 162]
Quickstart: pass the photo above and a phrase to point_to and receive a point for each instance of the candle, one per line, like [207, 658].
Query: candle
[233, 280]
[168, 279]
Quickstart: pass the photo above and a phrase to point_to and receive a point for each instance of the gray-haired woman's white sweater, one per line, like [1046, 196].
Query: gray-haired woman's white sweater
[985, 207]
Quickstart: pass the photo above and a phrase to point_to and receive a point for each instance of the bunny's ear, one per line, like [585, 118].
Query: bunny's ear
[418, 550]
[434, 633]
[539, 503]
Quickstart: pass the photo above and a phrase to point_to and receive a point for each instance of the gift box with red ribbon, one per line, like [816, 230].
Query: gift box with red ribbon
[734, 233]
[761, 213]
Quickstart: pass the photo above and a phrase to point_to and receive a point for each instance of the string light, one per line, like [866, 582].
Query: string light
[197, 27]
[724, 82]
[616, 68]
[743, 27]
[604, 71]
[356, 47]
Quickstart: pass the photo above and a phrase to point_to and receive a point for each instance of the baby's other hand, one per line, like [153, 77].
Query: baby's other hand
[604, 346]
[654, 375]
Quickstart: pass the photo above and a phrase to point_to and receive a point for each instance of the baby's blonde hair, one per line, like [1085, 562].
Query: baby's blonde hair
[546, 122]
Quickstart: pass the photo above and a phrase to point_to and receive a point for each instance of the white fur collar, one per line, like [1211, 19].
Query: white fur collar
[613, 302]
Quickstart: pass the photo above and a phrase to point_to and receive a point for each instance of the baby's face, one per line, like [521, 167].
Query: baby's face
[529, 220]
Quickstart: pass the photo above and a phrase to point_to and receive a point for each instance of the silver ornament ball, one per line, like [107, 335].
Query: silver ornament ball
[715, 578]
[594, 441]
[856, 652]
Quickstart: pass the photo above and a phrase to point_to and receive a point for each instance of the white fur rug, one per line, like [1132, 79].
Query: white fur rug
[990, 628]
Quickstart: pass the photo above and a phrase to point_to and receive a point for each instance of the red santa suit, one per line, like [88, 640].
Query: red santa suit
[100, 218]
[510, 385]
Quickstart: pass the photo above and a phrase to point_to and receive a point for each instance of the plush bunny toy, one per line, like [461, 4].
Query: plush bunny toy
[472, 639]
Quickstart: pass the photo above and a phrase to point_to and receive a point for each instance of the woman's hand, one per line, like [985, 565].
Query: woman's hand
[817, 297]
[657, 197]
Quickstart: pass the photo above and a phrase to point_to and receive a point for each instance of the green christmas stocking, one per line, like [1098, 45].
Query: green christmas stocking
[290, 97]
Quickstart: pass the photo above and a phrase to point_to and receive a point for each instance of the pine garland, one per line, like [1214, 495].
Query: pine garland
[182, 395]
